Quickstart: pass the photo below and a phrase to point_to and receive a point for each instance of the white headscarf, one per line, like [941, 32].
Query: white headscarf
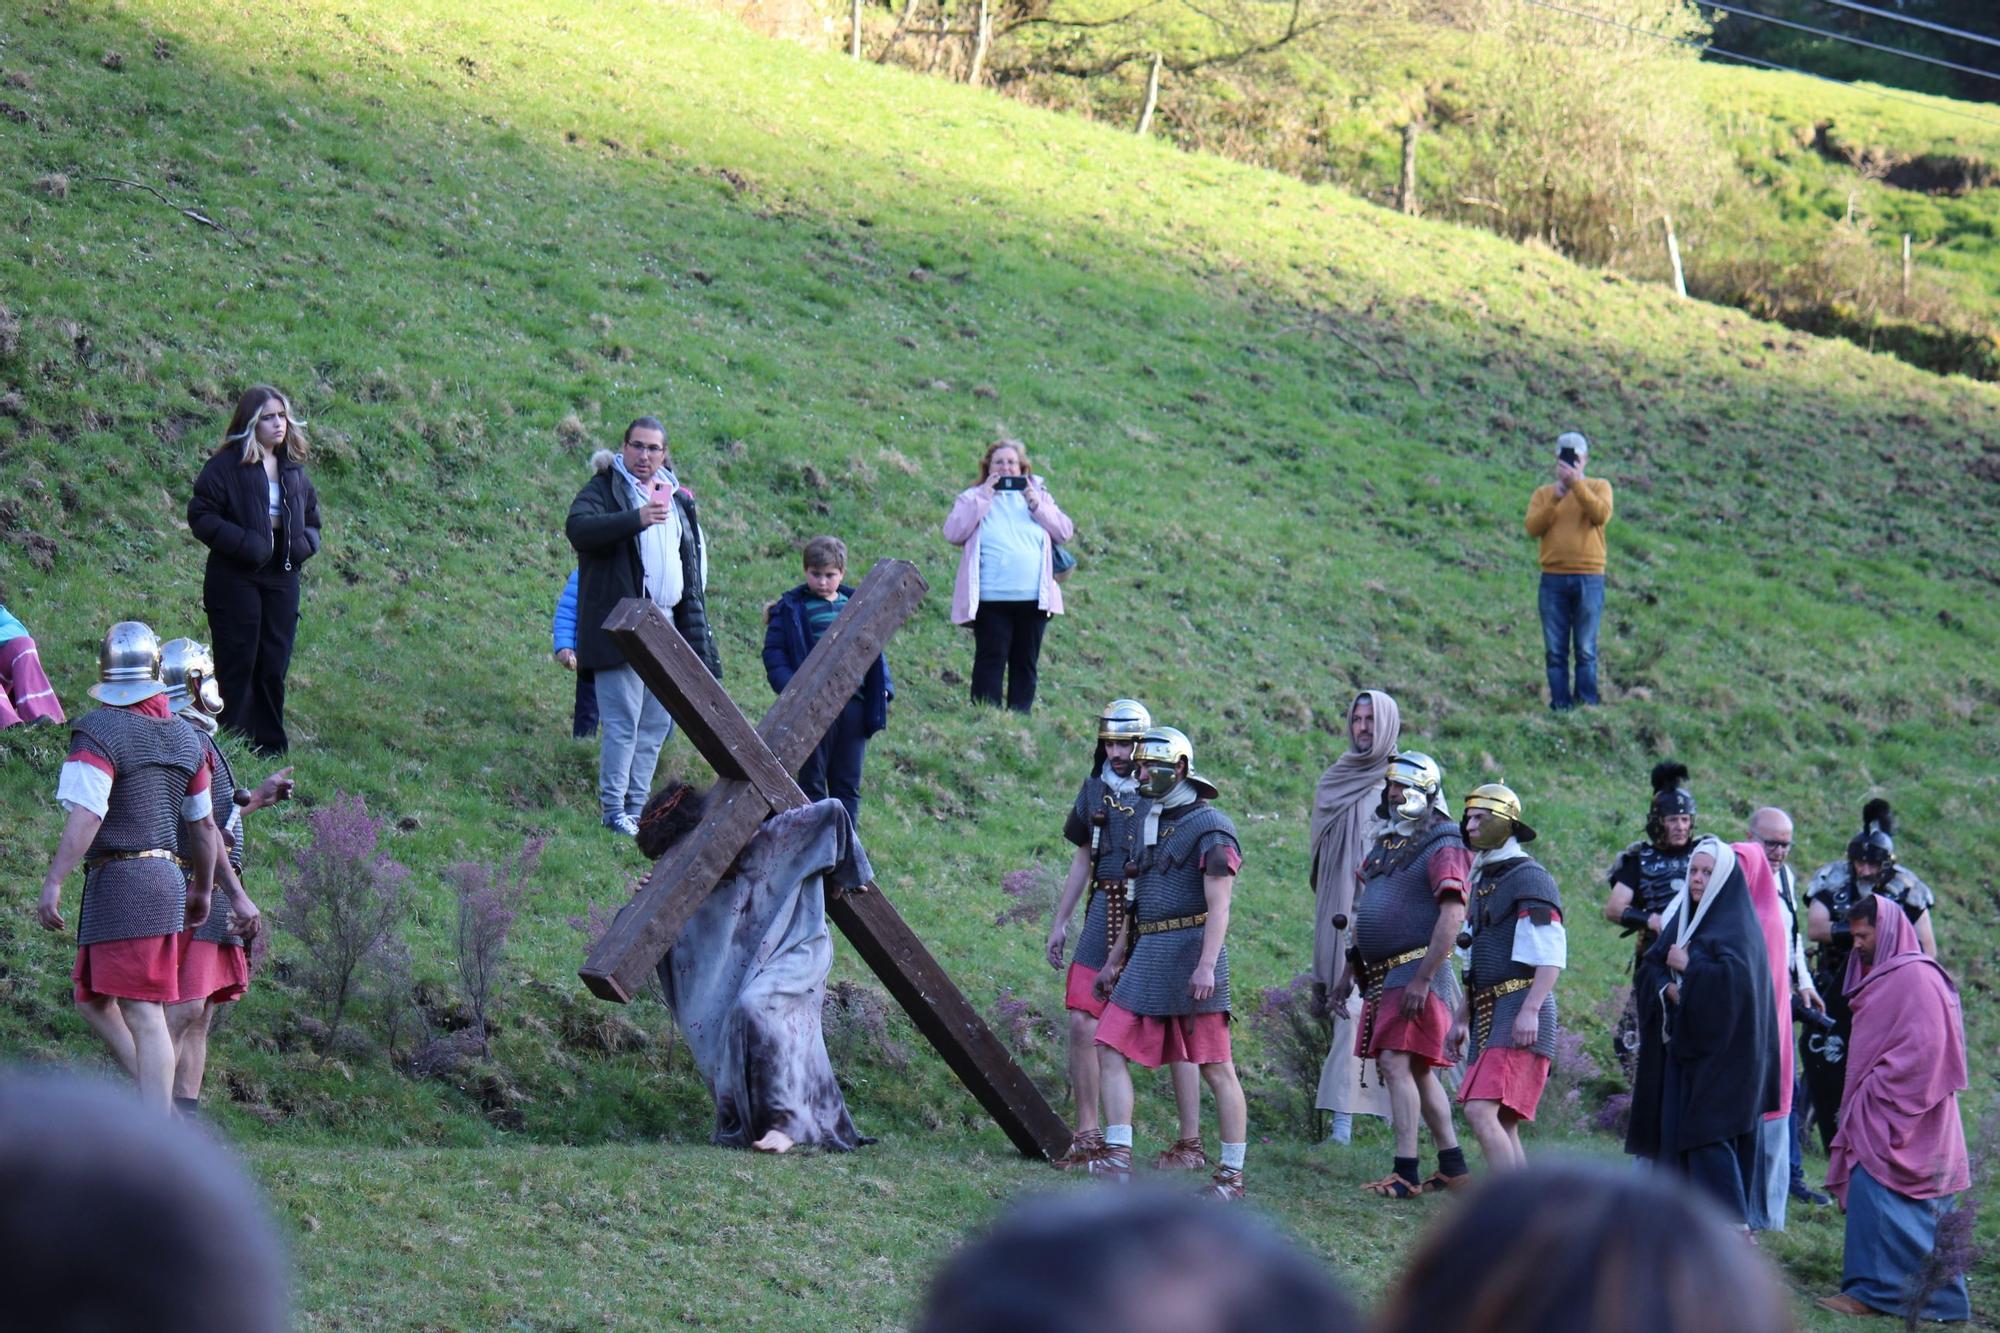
[1725, 865]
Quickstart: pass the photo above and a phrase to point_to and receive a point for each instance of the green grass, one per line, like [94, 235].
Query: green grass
[473, 244]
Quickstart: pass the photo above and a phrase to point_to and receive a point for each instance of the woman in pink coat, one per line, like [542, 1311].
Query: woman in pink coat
[1006, 529]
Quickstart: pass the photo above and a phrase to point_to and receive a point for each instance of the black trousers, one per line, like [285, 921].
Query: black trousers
[253, 618]
[1007, 641]
[834, 769]
[583, 719]
[1825, 1065]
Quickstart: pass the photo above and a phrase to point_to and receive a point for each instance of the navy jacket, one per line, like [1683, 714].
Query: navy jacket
[785, 652]
[603, 529]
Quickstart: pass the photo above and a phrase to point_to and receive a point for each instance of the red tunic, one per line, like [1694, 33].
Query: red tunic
[1199, 1039]
[1078, 993]
[1514, 1076]
[1385, 1028]
[212, 971]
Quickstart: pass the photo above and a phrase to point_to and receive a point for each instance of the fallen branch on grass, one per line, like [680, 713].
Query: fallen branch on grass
[1318, 323]
[193, 214]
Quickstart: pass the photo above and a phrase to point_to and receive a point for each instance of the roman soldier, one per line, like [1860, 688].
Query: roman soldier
[1869, 867]
[1167, 973]
[1101, 826]
[1644, 881]
[1518, 949]
[1406, 923]
[215, 959]
[136, 786]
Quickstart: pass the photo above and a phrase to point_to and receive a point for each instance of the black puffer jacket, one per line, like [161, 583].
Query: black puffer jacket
[603, 528]
[230, 512]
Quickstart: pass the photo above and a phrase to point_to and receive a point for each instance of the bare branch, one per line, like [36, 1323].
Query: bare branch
[190, 213]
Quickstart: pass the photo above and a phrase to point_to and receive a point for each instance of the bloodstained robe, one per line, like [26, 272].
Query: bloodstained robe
[747, 977]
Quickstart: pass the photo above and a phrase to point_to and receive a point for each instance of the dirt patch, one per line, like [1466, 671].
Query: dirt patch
[1924, 173]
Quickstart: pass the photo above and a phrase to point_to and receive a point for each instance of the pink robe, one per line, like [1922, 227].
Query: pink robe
[1905, 1068]
[1763, 887]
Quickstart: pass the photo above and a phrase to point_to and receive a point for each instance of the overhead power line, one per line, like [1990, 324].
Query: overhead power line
[1913, 21]
[1851, 41]
[1759, 61]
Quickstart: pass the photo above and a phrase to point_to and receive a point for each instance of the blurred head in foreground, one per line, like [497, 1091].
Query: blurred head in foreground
[115, 1217]
[1576, 1247]
[1133, 1261]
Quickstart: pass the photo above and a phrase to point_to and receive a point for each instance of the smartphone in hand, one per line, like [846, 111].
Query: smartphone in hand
[1011, 484]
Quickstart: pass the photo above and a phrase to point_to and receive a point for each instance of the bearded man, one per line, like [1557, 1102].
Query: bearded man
[1344, 827]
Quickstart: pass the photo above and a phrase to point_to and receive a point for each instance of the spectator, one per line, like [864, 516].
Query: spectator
[1582, 1248]
[25, 693]
[1132, 1261]
[114, 1218]
[792, 625]
[256, 511]
[1006, 527]
[1899, 1157]
[1568, 516]
[636, 534]
[562, 638]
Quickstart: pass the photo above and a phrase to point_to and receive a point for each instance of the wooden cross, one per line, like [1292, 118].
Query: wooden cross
[754, 770]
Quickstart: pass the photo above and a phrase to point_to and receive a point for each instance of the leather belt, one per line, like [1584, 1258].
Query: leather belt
[149, 854]
[1172, 923]
[1375, 976]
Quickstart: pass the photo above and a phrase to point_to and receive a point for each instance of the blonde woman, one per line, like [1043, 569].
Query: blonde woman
[256, 511]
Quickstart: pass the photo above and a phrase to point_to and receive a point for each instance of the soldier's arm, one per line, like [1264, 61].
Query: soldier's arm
[1819, 922]
[1615, 905]
[79, 831]
[1079, 874]
[202, 838]
[1926, 935]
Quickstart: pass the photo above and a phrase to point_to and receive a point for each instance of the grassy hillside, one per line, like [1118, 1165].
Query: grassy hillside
[1296, 432]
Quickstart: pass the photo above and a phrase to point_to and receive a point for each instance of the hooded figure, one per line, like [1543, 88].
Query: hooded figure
[1900, 1154]
[1344, 826]
[1709, 1065]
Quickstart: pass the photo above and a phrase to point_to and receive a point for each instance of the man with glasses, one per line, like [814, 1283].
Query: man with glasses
[636, 534]
[1771, 828]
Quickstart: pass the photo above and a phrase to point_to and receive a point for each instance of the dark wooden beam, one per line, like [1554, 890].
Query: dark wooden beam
[952, 1026]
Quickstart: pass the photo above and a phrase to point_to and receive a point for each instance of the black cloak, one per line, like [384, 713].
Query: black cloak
[1722, 1036]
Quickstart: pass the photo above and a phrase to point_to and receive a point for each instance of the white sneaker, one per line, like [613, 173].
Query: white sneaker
[622, 824]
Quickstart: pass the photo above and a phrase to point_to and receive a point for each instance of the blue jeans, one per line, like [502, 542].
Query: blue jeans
[635, 725]
[1571, 604]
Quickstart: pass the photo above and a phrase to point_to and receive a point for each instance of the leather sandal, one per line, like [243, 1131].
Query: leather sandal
[1440, 1183]
[1225, 1186]
[1086, 1145]
[1113, 1164]
[1392, 1186]
[1185, 1155]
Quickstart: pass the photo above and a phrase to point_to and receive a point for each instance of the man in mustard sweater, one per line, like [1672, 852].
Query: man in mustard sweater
[1568, 517]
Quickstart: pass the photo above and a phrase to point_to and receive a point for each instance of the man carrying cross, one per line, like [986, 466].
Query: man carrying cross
[754, 767]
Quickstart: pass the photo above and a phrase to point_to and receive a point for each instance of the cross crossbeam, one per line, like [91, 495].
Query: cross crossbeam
[754, 768]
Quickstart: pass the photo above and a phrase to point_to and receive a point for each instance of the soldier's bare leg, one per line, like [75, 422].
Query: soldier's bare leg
[1187, 1096]
[1405, 1102]
[189, 1024]
[1437, 1110]
[153, 1051]
[1083, 1078]
[108, 1023]
[1484, 1117]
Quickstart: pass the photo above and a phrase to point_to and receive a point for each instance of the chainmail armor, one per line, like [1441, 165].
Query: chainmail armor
[1397, 911]
[154, 762]
[1116, 840]
[1500, 891]
[220, 928]
[1169, 885]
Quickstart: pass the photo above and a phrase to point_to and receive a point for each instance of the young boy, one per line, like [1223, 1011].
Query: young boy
[562, 638]
[792, 625]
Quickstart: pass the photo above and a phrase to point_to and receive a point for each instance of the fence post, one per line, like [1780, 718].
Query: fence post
[1406, 191]
[1674, 256]
[854, 30]
[1906, 268]
[1152, 98]
[981, 41]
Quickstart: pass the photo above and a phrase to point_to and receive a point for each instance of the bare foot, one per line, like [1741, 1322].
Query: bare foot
[773, 1141]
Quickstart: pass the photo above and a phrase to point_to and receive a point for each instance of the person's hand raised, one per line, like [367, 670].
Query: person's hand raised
[656, 510]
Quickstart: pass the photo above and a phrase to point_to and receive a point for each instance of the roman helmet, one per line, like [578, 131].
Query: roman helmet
[1121, 720]
[1422, 782]
[187, 669]
[1161, 749]
[1876, 843]
[1670, 797]
[128, 664]
[1503, 810]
